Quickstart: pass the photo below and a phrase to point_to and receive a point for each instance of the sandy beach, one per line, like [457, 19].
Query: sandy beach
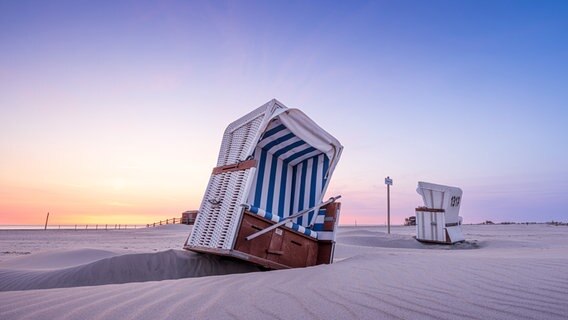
[290, 133]
[501, 272]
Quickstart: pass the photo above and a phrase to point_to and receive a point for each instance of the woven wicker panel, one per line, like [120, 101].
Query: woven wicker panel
[236, 144]
[221, 209]
[218, 219]
[241, 136]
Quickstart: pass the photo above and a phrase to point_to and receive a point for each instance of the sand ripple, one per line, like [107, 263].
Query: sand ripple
[521, 279]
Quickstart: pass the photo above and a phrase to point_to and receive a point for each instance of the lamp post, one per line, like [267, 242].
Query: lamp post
[388, 182]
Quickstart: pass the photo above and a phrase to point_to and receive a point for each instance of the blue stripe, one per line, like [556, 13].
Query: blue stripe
[273, 131]
[271, 184]
[278, 141]
[299, 154]
[313, 186]
[301, 204]
[260, 178]
[289, 147]
[325, 168]
[282, 199]
[293, 192]
[319, 226]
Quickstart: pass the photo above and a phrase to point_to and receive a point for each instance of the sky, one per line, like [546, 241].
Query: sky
[113, 111]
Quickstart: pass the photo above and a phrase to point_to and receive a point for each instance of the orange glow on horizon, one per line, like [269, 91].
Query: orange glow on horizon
[117, 200]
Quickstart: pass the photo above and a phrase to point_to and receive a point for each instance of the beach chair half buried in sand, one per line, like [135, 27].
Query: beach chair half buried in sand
[439, 221]
[264, 203]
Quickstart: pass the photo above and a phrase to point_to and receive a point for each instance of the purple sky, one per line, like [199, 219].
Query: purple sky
[114, 110]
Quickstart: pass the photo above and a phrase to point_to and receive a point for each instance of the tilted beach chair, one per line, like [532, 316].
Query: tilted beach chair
[439, 221]
[264, 203]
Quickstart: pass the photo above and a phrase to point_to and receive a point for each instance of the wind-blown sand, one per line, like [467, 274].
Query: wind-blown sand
[502, 272]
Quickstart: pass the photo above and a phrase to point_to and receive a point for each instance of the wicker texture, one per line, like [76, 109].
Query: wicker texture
[220, 210]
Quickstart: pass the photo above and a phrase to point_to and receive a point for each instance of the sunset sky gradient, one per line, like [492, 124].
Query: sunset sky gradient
[113, 111]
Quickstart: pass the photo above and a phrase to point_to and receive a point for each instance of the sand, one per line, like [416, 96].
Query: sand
[502, 272]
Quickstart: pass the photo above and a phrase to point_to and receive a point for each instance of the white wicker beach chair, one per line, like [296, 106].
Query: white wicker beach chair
[264, 203]
[439, 220]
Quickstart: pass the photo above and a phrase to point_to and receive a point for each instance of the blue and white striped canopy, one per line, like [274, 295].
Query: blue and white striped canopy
[291, 174]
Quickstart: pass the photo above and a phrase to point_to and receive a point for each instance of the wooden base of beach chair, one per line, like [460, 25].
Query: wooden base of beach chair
[238, 255]
[280, 248]
[284, 247]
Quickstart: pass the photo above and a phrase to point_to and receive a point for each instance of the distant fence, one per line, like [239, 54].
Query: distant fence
[169, 221]
[84, 227]
[183, 220]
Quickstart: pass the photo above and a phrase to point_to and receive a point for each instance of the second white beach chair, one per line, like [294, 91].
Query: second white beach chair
[438, 220]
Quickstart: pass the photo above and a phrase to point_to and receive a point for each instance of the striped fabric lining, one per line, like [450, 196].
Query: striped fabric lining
[264, 214]
[290, 174]
[320, 219]
[291, 225]
[301, 229]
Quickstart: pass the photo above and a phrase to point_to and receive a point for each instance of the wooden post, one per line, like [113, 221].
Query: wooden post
[388, 209]
[388, 182]
[106, 226]
[46, 218]
[75, 227]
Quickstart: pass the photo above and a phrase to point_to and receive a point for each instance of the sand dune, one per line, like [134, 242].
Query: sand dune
[138, 267]
[515, 272]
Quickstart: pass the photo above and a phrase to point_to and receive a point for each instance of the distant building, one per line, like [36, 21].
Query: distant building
[410, 221]
[188, 217]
